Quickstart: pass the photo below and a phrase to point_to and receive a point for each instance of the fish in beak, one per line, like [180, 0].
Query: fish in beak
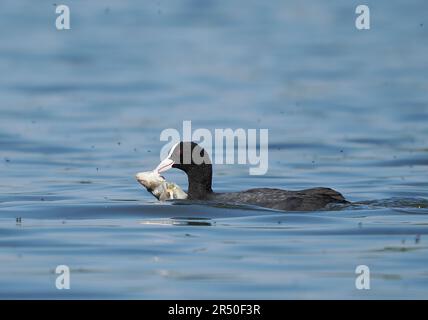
[159, 187]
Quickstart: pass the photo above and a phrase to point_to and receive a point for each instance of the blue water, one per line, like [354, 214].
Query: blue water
[81, 111]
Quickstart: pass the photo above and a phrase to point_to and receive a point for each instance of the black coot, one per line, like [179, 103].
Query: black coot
[192, 159]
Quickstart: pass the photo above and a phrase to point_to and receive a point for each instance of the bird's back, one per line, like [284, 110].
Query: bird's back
[302, 200]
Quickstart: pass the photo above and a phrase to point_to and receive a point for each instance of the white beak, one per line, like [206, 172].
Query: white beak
[165, 165]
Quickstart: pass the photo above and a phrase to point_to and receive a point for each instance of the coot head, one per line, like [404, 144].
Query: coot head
[195, 162]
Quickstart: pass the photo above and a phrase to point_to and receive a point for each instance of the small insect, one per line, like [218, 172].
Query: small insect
[417, 238]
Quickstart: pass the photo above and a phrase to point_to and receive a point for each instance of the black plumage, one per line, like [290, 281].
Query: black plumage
[195, 162]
